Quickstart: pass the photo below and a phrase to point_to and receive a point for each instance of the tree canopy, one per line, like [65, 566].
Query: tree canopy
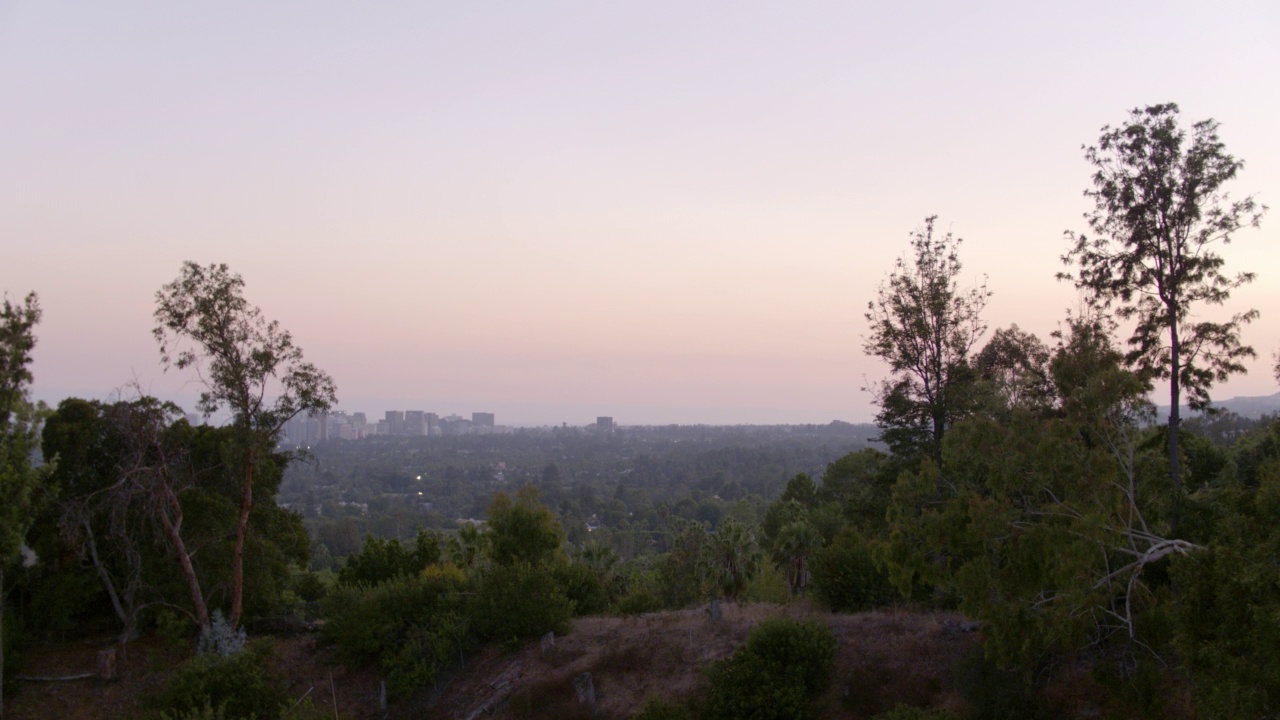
[924, 325]
[1160, 211]
[250, 367]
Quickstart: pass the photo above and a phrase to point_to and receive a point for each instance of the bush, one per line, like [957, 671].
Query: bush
[382, 560]
[658, 709]
[783, 668]
[220, 638]
[310, 586]
[847, 578]
[236, 687]
[1226, 615]
[995, 694]
[906, 712]
[12, 644]
[412, 628]
[519, 602]
[580, 584]
[638, 601]
[204, 712]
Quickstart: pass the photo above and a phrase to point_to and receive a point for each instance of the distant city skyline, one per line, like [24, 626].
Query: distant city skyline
[662, 212]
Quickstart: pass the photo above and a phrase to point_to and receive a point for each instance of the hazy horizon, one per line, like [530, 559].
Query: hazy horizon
[662, 213]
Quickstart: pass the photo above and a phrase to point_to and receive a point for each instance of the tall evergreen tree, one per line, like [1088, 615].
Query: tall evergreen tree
[18, 438]
[924, 325]
[1160, 210]
[251, 368]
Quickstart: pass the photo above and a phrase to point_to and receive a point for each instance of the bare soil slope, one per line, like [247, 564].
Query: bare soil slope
[884, 658]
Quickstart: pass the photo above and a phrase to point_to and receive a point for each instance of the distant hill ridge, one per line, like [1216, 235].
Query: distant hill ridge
[1251, 407]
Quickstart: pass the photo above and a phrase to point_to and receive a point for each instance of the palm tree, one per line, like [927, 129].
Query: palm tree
[733, 558]
[794, 546]
[467, 547]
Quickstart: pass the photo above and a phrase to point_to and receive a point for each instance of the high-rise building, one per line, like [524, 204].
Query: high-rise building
[604, 423]
[433, 423]
[454, 425]
[395, 422]
[415, 422]
[482, 419]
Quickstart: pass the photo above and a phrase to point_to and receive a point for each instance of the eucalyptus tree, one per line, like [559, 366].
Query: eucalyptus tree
[250, 368]
[1160, 212]
[924, 325]
[19, 433]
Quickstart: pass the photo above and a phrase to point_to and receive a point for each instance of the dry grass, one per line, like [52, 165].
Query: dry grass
[308, 671]
[884, 658]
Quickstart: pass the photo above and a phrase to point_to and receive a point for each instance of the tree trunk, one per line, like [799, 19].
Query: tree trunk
[1175, 397]
[105, 577]
[237, 559]
[1, 642]
[173, 530]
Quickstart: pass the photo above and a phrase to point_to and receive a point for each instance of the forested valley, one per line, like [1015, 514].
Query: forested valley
[1106, 562]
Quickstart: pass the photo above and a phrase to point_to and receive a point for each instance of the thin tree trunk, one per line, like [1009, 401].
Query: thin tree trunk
[1, 643]
[1175, 397]
[173, 530]
[105, 576]
[237, 559]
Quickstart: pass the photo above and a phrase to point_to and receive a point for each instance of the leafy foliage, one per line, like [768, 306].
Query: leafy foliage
[523, 530]
[847, 577]
[19, 435]
[382, 560]
[906, 712]
[237, 686]
[656, 708]
[1160, 207]
[996, 694]
[519, 602]
[784, 666]
[204, 322]
[1228, 604]
[412, 627]
[924, 326]
[733, 558]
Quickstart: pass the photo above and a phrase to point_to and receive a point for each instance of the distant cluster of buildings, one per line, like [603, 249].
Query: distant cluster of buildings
[318, 427]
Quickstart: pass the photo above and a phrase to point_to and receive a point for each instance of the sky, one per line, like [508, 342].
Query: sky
[665, 212]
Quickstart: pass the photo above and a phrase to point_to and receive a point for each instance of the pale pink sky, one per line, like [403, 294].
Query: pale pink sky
[660, 211]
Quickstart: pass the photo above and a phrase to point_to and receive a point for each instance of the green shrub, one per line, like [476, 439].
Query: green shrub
[12, 645]
[238, 687]
[638, 601]
[310, 586]
[847, 578]
[783, 668]
[995, 694]
[768, 586]
[519, 602]
[204, 712]
[580, 584]
[382, 560]
[656, 708]
[173, 628]
[413, 628]
[906, 712]
[1227, 616]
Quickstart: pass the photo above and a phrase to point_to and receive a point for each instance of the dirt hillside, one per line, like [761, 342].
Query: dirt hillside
[884, 658]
